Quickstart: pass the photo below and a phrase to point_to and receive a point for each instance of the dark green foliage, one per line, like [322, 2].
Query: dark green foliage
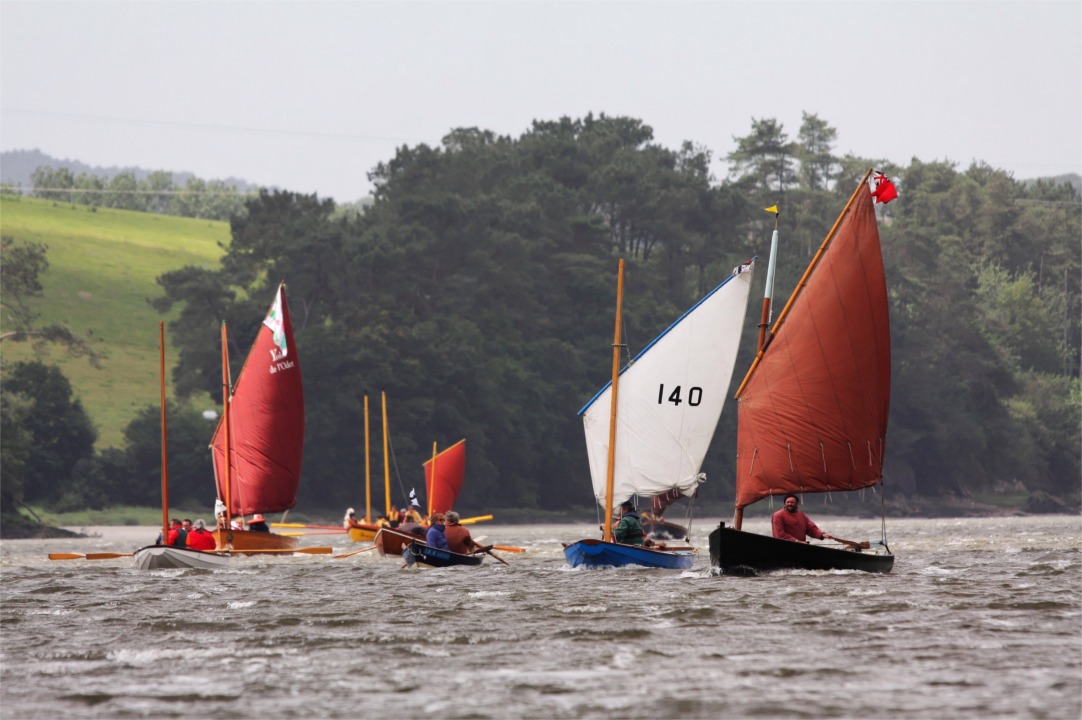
[478, 292]
[60, 431]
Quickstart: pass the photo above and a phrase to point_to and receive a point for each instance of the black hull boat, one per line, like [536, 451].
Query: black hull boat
[664, 530]
[735, 552]
[426, 556]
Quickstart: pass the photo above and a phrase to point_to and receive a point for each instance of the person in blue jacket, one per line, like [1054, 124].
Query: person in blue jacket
[437, 537]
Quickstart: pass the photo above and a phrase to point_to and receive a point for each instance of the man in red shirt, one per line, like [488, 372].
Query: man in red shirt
[790, 523]
[458, 537]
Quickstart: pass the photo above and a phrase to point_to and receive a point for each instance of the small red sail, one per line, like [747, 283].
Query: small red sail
[450, 472]
[812, 415]
[266, 416]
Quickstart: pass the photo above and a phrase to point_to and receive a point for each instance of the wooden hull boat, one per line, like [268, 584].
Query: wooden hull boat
[736, 552]
[164, 557]
[240, 540]
[598, 553]
[426, 556]
[664, 530]
[364, 533]
[392, 542]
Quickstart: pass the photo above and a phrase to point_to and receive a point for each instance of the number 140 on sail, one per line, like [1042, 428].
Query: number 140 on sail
[694, 398]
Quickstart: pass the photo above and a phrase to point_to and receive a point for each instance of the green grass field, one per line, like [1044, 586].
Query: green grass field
[102, 270]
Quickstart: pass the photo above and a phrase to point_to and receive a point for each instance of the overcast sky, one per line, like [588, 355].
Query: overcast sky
[310, 96]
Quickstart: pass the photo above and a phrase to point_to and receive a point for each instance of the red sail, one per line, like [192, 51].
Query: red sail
[450, 471]
[266, 416]
[812, 415]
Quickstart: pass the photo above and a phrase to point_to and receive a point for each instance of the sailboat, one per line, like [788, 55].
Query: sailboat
[670, 400]
[259, 442]
[812, 409]
[444, 474]
[156, 557]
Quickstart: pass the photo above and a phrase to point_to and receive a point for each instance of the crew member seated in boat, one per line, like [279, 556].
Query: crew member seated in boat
[200, 538]
[436, 536]
[395, 516]
[177, 536]
[411, 526]
[458, 537]
[629, 530]
[383, 522]
[413, 514]
[350, 520]
[258, 524]
[790, 523]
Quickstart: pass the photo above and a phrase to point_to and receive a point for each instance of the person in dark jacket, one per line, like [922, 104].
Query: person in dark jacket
[629, 530]
[258, 524]
[177, 536]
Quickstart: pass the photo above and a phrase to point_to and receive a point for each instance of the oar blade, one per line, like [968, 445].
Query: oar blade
[65, 556]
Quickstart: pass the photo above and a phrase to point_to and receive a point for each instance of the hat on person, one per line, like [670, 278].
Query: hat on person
[256, 518]
[452, 517]
[350, 511]
[200, 525]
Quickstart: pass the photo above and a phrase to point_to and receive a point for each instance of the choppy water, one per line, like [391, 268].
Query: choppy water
[981, 618]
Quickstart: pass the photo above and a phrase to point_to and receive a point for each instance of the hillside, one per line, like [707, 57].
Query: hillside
[102, 270]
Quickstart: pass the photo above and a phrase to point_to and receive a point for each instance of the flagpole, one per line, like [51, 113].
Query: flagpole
[768, 290]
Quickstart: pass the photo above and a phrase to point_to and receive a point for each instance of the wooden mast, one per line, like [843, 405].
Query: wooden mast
[165, 470]
[227, 454]
[609, 480]
[386, 460]
[367, 467]
[431, 480]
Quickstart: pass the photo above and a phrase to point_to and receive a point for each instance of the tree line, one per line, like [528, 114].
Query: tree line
[477, 291]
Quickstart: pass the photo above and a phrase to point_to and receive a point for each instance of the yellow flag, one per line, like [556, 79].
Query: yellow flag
[772, 208]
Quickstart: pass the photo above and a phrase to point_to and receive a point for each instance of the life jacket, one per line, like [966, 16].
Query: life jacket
[180, 539]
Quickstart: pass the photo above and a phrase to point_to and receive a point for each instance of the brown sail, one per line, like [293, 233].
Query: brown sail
[812, 411]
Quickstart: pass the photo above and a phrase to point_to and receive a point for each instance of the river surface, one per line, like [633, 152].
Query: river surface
[981, 618]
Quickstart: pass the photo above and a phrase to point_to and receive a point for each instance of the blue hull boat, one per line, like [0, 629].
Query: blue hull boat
[598, 553]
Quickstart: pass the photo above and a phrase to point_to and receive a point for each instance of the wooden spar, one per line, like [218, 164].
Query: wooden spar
[227, 454]
[768, 288]
[367, 466]
[431, 480]
[803, 281]
[386, 460]
[165, 467]
[609, 479]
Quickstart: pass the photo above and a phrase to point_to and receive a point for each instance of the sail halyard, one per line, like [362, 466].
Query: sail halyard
[259, 443]
[812, 412]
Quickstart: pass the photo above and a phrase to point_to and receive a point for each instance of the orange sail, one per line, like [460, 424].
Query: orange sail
[450, 471]
[812, 411]
[266, 422]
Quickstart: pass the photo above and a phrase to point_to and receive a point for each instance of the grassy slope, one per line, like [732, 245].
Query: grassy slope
[102, 270]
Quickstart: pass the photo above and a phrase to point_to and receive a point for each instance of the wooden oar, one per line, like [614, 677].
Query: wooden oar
[487, 550]
[508, 548]
[354, 552]
[65, 556]
[472, 520]
[107, 555]
[306, 550]
[862, 545]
